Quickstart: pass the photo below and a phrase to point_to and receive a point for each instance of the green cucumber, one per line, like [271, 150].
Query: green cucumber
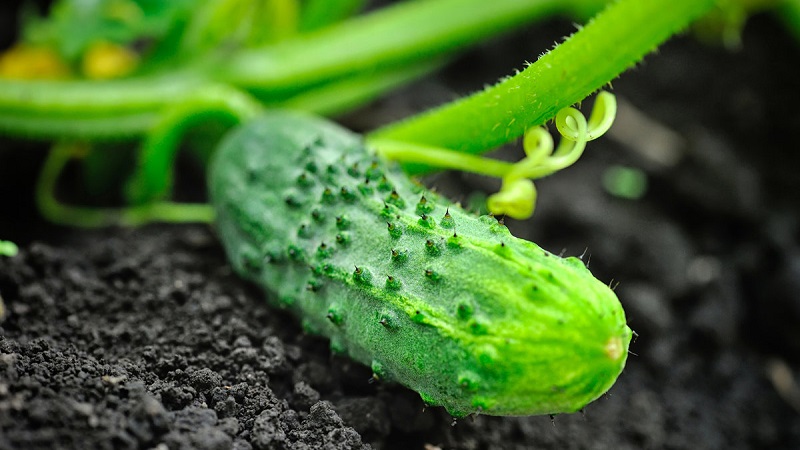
[401, 279]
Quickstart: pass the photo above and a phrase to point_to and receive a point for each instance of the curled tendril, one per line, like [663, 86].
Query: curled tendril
[517, 195]
[541, 159]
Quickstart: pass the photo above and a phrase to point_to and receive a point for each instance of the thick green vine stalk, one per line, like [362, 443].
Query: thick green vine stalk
[381, 44]
[612, 42]
[321, 13]
[408, 31]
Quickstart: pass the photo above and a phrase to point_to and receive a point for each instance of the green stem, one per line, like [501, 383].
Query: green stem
[76, 216]
[321, 13]
[223, 103]
[95, 98]
[442, 158]
[153, 180]
[284, 20]
[49, 127]
[392, 38]
[612, 42]
[90, 110]
[344, 95]
[404, 32]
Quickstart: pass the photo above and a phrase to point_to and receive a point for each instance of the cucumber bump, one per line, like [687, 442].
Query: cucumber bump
[403, 280]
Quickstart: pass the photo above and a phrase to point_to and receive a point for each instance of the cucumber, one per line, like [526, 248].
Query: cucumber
[403, 280]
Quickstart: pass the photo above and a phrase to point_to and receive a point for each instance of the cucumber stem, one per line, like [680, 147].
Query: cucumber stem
[391, 38]
[401, 33]
[60, 213]
[154, 178]
[612, 42]
[317, 14]
[517, 197]
[346, 94]
[440, 157]
[64, 99]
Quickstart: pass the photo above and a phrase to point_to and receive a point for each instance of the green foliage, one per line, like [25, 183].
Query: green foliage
[73, 25]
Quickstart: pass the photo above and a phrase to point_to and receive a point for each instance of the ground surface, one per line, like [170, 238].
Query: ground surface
[145, 339]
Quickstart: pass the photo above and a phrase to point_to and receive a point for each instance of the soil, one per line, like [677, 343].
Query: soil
[145, 339]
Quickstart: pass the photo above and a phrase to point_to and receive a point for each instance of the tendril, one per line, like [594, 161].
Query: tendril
[517, 195]
[541, 159]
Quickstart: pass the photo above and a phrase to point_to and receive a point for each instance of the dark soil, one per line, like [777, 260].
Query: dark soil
[145, 338]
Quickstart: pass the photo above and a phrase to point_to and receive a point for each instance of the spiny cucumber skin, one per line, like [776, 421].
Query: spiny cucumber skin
[446, 303]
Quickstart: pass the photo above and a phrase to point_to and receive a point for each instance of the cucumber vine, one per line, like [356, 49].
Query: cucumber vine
[444, 137]
[195, 74]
